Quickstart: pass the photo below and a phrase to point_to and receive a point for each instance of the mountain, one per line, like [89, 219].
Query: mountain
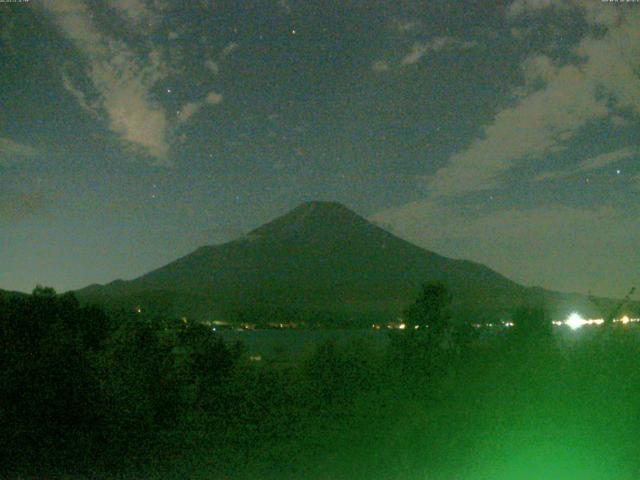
[320, 260]
[5, 294]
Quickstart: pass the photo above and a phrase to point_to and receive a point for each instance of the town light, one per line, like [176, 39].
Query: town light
[575, 321]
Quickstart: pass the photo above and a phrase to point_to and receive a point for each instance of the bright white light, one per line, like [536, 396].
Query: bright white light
[575, 321]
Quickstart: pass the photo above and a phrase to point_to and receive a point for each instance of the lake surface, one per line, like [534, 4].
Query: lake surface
[292, 343]
[282, 344]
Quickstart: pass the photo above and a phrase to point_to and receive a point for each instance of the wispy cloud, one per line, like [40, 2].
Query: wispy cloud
[521, 7]
[12, 152]
[543, 120]
[212, 66]
[596, 13]
[593, 163]
[380, 66]
[80, 96]
[134, 10]
[189, 109]
[538, 124]
[123, 80]
[229, 49]
[601, 161]
[406, 25]
[214, 98]
[420, 49]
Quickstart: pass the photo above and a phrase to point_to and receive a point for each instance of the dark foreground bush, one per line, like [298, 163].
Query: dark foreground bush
[129, 396]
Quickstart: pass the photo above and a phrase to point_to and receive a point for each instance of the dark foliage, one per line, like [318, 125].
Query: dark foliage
[431, 309]
[531, 322]
[133, 396]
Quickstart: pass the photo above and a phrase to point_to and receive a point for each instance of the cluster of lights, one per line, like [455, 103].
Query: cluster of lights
[575, 321]
[394, 326]
[492, 325]
[624, 320]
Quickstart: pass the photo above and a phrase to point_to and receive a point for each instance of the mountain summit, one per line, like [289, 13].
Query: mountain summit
[321, 259]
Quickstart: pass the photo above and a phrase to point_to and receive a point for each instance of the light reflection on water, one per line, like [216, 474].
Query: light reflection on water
[291, 343]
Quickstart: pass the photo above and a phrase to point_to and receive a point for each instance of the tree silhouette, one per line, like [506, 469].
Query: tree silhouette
[531, 322]
[431, 309]
[423, 349]
[611, 313]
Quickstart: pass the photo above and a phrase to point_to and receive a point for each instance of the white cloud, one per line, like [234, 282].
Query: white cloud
[12, 152]
[214, 98]
[380, 66]
[79, 95]
[613, 61]
[592, 163]
[605, 159]
[601, 13]
[122, 80]
[134, 10]
[212, 66]
[191, 108]
[125, 84]
[536, 125]
[541, 121]
[555, 175]
[188, 110]
[539, 68]
[229, 49]
[521, 7]
[405, 26]
[419, 50]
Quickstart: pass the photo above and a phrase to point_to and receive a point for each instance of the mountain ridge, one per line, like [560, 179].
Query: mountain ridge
[318, 257]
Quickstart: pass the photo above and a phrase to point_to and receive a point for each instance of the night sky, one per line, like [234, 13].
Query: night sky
[133, 132]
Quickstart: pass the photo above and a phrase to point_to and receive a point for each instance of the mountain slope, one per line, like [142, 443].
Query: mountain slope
[6, 294]
[319, 258]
